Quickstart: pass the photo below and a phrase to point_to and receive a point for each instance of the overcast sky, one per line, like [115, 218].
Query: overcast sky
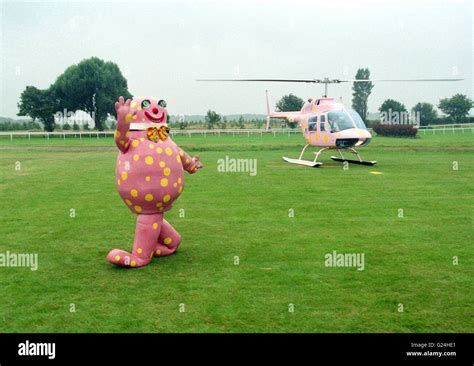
[163, 47]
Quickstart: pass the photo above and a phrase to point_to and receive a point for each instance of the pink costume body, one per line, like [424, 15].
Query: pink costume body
[149, 178]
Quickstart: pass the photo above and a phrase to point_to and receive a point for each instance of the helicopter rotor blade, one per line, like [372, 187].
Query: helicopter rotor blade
[394, 80]
[330, 81]
[270, 80]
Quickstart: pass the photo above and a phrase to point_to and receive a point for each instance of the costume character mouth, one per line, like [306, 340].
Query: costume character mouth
[153, 118]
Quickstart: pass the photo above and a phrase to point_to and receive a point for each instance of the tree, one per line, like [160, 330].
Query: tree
[259, 123]
[289, 103]
[224, 123]
[29, 102]
[392, 111]
[241, 122]
[392, 105]
[361, 92]
[212, 119]
[75, 126]
[457, 107]
[38, 104]
[426, 112]
[93, 86]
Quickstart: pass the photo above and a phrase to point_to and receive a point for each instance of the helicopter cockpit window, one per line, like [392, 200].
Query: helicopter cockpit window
[312, 123]
[322, 122]
[339, 121]
[357, 119]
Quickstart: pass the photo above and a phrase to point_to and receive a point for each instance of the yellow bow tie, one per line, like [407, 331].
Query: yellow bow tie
[155, 133]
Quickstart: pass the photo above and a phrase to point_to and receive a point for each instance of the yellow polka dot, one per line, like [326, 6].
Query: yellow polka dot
[135, 117]
[122, 142]
[158, 252]
[139, 108]
[162, 164]
[128, 202]
[161, 208]
[149, 160]
[166, 198]
[117, 258]
[134, 193]
[133, 264]
[133, 104]
[118, 182]
[167, 171]
[325, 138]
[164, 182]
[147, 178]
[142, 139]
[180, 189]
[124, 175]
[137, 208]
[159, 150]
[135, 143]
[120, 162]
[136, 157]
[179, 180]
[181, 153]
[159, 204]
[128, 118]
[167, 241]
[175, 184]
[151, 254]
[155, 225]
[168, 151]
[149, 197]
[143, 119]
[151, 146]
[139, 250]
[127, 134]
[117, 134]
[187, 161]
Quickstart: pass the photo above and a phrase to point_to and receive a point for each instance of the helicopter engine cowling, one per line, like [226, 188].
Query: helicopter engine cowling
[352, 138]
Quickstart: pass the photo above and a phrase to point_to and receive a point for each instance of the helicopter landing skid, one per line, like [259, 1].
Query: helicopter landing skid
[350, 161]
[359, 160]
[313, 164]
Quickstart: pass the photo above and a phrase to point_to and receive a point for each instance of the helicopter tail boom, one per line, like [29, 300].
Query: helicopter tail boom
[290, 117]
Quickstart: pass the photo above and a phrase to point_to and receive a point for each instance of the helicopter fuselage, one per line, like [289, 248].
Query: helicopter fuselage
[326, 123]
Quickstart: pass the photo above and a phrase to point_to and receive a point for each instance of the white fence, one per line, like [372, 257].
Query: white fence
[98, 134]
[446, 128]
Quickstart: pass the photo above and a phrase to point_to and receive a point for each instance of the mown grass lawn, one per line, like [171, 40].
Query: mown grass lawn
[408, 260]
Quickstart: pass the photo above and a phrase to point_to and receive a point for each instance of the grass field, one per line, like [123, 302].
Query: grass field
[408, 260]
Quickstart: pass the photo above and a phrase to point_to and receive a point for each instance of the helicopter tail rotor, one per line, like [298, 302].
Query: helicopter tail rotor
[267, 126]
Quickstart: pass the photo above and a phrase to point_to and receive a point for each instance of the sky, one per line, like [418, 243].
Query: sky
[163, 47]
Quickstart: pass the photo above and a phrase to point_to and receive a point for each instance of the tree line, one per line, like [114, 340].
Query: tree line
[93, 86]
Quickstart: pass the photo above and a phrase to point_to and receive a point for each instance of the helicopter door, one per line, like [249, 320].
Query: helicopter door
[323, 129]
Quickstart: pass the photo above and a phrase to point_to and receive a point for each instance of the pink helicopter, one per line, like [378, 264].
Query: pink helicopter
[326, 123]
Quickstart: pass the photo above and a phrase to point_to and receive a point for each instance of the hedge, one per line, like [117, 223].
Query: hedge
[395, 130]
